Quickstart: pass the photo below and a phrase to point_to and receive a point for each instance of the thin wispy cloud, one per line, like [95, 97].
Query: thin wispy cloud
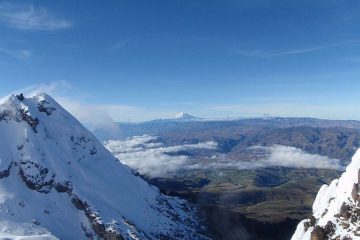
[120, 44]
[22, 54]
[258, 53]
[30, 17]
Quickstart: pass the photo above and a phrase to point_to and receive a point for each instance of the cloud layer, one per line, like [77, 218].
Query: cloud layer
[276, 156]
[150, 157]
[29, 17]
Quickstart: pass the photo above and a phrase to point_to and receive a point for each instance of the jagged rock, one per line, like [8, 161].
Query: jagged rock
[318, 234]
[63, 187]
[345, 211]
[329, 228]
[20, 97]
[78, 203]
[105, 233]
[354, 192]
[5, 115]
[345, 225]
[44, 106]
[353, 218]
[324, 213]
[306, 226]
[340, 201]
[22, 204]
[310, 223]
[39, 181]
[36, 222]
[23, 115]
[6, 172]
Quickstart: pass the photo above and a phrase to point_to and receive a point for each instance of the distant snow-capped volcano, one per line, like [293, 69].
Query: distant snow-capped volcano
[58, 182]
[185, 116]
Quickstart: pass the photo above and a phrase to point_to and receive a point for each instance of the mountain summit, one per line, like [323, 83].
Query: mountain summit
[336, 210]
[58, 182]
[184, 116]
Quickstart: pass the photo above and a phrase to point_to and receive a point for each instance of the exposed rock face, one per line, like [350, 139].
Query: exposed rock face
[336, 210]
[318, 234]
[58, 182]
[44, 106]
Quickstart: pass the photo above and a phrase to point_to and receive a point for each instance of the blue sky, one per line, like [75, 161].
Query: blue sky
[137, 60]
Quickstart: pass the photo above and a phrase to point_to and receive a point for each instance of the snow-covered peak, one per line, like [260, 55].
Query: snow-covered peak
[58, 182]
[336, 210]
[184, 116]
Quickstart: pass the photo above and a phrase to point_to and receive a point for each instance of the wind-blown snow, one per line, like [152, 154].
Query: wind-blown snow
[58, 181]
[336, 210]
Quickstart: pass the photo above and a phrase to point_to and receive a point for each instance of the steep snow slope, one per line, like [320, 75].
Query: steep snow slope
[336, 210]
[58, 182]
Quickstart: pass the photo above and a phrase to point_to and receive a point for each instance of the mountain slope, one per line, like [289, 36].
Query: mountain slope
[58, 181]
[336, 210]
[185, 116]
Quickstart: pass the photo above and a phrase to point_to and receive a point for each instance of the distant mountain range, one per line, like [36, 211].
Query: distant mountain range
[255, 203]
[186, 122]
[179, 117]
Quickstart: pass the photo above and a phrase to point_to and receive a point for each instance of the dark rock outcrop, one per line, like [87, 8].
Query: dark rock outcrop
[318, 234]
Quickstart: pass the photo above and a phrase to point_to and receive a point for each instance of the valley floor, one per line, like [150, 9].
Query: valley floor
[249, 204]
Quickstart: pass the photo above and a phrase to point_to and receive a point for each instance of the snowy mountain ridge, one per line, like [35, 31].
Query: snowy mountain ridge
[58, 182]
[336, 210]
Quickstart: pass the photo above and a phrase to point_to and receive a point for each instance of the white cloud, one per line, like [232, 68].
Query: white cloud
[150, 157]
[120, 44]
[276, 156]
[274, 53]
[29, 17]
[22, 54]
[294, 157]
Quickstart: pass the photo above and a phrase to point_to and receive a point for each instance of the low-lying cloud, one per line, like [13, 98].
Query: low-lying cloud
[277, 156]
[150, 157]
